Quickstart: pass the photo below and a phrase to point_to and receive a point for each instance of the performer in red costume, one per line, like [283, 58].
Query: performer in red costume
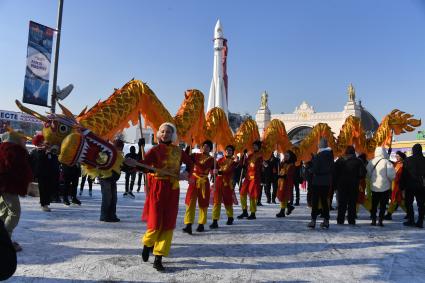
[286, 183]
[252, 182]
[199, 188]
[397, 198]
[223, 192]
[161, 206]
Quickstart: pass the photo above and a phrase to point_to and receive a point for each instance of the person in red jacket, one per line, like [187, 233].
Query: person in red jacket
[199, 188]
[286, 183]
[15, 176]
[223, 191]
[252, 182]
[162, 200]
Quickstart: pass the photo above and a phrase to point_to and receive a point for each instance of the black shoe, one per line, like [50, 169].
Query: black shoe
[138, 189]
[373, 222]
[200, 228]
[131, 195]
[116, 219]
[325, 224]
[409, 223]
[125, 194]
[157, 264]
[406, 217]
[352, 222]
[297, 203]
[419, 224]
[214, 225]
[259, 204]
[244, 214]
[381, 222]
[290, 209]
[269, 201]
[331, 208]
[188, 229]
[312, 224]
[252, 216]
[145, 253]
[66, 202]
[388, 216]
[281, 213]
[229, 221]
[90, 193]
[76, 201]
[274, 201]
[81, 192]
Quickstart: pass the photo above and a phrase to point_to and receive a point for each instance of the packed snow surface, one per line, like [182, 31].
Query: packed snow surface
[70, 244]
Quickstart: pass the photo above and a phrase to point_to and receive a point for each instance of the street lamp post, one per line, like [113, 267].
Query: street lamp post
[55, 67]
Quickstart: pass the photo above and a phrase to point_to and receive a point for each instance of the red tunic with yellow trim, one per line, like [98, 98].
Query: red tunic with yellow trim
[199, 185]
[396, 194]
[252, 182]
[161, 205]
[224, 181]
[285, 184]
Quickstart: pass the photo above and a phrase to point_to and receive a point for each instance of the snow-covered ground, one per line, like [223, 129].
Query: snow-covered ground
[69, 244]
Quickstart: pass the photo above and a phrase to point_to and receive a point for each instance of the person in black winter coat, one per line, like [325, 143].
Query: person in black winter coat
[413, 179]
[45, 166]
[297, 182]
[130, 173]
[71, 174]
[270, 178]
[348, 172]
[8, 254]
[322, 172]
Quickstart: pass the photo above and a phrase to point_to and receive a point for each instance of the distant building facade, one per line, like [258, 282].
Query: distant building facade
[300, 123]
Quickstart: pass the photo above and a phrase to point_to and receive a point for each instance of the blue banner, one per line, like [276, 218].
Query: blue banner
[39, 51]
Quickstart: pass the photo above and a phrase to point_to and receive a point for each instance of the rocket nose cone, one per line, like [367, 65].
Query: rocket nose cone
[218, 30]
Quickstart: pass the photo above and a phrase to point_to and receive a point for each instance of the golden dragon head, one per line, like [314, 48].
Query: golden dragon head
[77, 144]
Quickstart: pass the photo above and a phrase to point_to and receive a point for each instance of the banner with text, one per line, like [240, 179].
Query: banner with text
[36, 85]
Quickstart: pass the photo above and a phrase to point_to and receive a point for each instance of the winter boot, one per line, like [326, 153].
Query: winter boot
[188, 229]
[76, 201]
[281, 213]
[214, 225]
[145, 253]
[312, 224]
[200, 228]
[157, 264]
[244, 214]
[66, 201]
[388, 216]
[252, 216]
[325, 224]
[381, 221]
[229, 221]
[290, 209]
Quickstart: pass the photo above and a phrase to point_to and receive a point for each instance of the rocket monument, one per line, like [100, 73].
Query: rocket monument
[218, 89]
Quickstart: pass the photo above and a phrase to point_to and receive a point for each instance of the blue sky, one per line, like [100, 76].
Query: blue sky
[296, 50]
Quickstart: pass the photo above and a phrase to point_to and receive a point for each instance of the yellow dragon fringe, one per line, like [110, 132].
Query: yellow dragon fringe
[107, 118]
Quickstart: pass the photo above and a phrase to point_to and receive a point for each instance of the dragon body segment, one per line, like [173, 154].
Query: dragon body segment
[84, 139]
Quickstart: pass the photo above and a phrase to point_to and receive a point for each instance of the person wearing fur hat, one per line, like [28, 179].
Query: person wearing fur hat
[286, 183]
[322, 166]
[252, 182]
[162, 200]
[15, 176]
[199, 188]
[224, 190]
